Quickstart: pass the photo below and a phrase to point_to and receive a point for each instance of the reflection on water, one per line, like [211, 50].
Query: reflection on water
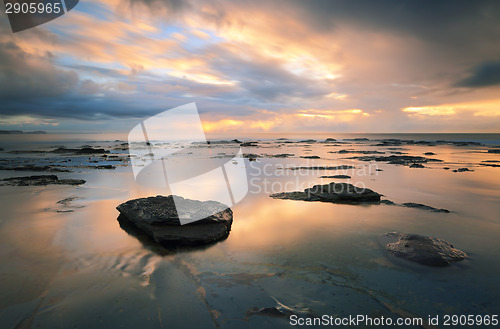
[82, 269]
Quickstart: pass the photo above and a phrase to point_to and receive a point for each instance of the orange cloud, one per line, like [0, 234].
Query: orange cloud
[489, 109]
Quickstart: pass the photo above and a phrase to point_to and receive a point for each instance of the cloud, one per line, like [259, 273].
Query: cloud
[484, 75]
[259, 65]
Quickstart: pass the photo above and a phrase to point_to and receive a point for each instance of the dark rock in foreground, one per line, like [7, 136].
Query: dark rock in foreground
[422, 249]
[40, 180]
[159, 219]
[333, 192]
[494, 151]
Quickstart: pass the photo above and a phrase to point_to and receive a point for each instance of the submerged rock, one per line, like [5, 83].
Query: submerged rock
[414, 205]
[424, 207]
[333, 192]
[310, 157]
[341, 167]
[282, 155]
[158, 217]
[337, 176]
[405, 160]
[462, 170]
[249, 144]
[358, 152]
[84, 150]
[422, 249]
[39, 180]
[489, 164]
[31, 167]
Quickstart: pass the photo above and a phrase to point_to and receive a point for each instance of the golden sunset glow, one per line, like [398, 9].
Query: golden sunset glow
[491, 109]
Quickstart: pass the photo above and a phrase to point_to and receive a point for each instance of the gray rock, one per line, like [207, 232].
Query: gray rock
[159, 219]
[40, 180]
[422, 249]
[333, 192]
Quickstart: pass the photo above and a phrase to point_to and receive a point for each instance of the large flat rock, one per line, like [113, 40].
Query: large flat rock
[158, 217]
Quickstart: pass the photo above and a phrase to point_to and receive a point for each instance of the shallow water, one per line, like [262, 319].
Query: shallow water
[80, 269]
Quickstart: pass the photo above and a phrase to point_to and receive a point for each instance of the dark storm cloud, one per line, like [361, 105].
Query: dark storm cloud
[485, 75]
[448, 22]
[25, 75]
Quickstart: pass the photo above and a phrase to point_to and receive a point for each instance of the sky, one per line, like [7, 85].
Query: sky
[257, 66]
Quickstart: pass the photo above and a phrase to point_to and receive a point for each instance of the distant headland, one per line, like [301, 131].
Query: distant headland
[12, 132]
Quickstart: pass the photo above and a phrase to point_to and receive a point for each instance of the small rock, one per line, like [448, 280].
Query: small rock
[341, 167]
[283, 155]
[423, 207]
[462, 170]
[40, 180]
[422, 249]
[249, 144]
[337, 176]
[310, 157]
